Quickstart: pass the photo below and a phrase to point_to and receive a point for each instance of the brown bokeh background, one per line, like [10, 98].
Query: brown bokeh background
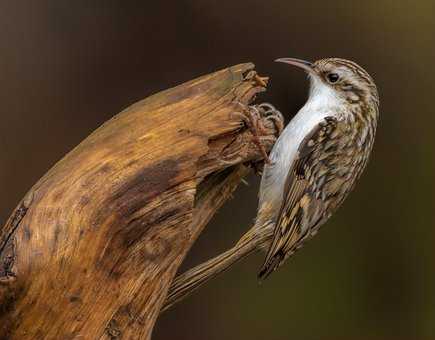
[68, 66]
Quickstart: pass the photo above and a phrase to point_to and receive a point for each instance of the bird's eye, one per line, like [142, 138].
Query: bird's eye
[333, 77]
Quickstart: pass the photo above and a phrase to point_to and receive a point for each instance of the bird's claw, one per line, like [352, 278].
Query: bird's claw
[273, 115]
[252, 118]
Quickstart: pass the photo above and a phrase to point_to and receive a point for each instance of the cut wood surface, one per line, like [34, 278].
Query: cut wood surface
[91, 250]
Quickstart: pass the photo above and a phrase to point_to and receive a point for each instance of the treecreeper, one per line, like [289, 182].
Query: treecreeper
[312, 167]
[93, 248]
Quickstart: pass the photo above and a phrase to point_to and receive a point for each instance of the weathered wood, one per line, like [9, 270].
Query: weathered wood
[91, 250]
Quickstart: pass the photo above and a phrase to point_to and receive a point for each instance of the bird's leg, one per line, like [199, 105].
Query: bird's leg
[259, 119]
[252, 118]
[273, 115]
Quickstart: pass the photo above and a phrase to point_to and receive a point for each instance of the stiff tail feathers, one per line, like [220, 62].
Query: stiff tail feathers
[191, 280]
[194, 278]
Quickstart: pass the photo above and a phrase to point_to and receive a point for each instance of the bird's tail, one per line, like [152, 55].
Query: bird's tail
[189, 281]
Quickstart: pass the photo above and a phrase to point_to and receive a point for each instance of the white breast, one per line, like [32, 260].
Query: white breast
[321, 103]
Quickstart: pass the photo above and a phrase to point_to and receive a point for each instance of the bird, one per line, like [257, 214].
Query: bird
[313, 166]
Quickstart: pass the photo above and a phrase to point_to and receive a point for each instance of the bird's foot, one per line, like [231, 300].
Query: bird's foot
[272, 114]
[264, 124]
[253, 119]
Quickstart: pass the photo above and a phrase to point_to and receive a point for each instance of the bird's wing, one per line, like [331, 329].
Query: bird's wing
[300, 196]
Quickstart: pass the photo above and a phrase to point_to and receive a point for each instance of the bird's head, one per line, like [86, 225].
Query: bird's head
[346, 79]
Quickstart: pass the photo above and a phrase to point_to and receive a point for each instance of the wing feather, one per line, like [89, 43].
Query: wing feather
[298, 198]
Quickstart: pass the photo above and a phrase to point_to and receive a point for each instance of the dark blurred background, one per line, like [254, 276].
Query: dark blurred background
[68, 66]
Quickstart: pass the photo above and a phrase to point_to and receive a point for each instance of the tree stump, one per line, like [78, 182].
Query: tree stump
[91, 250]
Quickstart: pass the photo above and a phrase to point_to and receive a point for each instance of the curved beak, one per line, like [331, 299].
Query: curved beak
[306, 65]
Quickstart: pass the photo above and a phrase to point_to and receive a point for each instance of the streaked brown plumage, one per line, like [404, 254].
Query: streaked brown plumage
[315, 164]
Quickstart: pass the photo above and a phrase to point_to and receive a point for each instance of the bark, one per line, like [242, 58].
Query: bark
[91, 250]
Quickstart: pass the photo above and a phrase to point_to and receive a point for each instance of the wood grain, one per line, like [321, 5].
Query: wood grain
[91, 250]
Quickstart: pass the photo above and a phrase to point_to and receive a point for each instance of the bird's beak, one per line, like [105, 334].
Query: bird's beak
[306, 65]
